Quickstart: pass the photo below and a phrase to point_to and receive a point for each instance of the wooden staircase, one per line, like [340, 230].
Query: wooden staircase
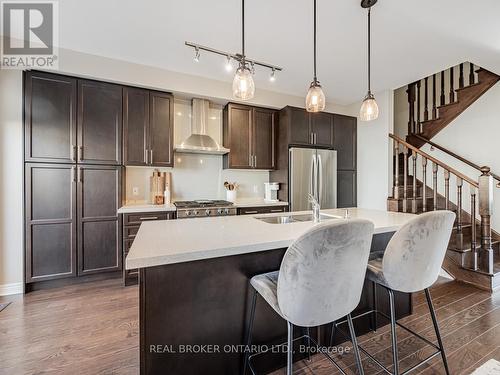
[473, 254]
[430, 115]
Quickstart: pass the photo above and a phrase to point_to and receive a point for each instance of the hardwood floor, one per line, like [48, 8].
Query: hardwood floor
[93, 329]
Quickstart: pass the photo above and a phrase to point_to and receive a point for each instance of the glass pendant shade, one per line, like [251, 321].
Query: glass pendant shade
[369, 109]
[315, 99]
[243, 85]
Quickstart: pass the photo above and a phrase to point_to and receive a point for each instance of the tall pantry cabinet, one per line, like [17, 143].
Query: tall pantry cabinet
[73, 177]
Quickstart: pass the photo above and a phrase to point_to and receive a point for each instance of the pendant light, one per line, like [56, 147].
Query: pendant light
[243, 85]
[369, 108]
[315, 99]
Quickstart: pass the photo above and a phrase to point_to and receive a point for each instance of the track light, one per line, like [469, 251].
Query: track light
[229, 66]
[272, 77]
[197, 54]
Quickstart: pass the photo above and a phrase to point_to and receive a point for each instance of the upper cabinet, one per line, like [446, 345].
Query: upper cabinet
[307, 129]
[345, 141]
[50, 118]
[99, 123]
[250, 134]
[148, 127]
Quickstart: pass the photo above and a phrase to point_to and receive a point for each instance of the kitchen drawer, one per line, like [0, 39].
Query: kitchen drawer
[261, 210]
[138, 218]
[130, 232]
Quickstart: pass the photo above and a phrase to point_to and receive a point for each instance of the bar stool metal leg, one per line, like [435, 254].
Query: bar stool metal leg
[250, 329]
[436, 328]
[289, 350]
[354, 341]
[375, 307]
[332, 334]
[393, 333]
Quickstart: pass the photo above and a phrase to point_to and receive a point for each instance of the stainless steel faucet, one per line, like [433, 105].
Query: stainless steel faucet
[315, 208]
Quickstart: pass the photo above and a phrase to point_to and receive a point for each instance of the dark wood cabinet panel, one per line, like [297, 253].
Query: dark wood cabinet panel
[238, 135]
[50, 213]
[261, 210]
[99, 225]
[161, 129]
[322, 129]
[99, 123]
[264, 138]
[50, 117]
[346, 189]
[299, 126]
[345, 141]
[135, 126]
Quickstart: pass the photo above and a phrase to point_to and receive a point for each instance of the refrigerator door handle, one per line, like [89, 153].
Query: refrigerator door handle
[320, 178]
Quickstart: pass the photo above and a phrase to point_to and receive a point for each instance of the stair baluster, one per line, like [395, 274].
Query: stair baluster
[405, 178]
[424, 183]
[414, 200]
[426, 99]
[395, 192]
[452, 86]
[473, 242]
[434, 185]
[461, 77]
[442, 101]
[418, 125]
[485, 210]
[460, 182]
[411, 108]
[446, 189]
[472, 77]
[434, 98]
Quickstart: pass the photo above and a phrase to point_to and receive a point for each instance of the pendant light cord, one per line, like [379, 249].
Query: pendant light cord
[314, 32]
[243, 30]
[369, 50]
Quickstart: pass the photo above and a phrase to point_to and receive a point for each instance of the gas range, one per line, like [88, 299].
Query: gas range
[204, 208]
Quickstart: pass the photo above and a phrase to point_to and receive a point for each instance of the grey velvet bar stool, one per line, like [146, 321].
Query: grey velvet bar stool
[411, 263]
[319, 281]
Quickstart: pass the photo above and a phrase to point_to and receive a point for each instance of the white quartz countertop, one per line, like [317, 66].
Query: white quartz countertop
[134, 208]
[257, 202]
[175, 241]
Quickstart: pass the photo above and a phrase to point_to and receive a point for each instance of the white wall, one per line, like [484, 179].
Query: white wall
[374, 178]
[11, 182]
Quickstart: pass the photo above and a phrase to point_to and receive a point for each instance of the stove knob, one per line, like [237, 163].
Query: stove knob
[207, 212]
[220, 211]
[188, 213]
[226, 211]
[195, 213]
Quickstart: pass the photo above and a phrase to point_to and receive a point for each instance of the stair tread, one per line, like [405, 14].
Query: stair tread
[468, 86]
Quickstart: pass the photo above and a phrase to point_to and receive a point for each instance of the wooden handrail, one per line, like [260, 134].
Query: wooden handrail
[451, 153]
[434, 160]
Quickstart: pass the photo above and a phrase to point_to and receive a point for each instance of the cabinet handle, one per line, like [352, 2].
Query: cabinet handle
[149, 218]
[80, 175]
[80, 153]
[315, 138]
[73, 174]
[251, 212]
[255, 161]
[146, 155]
[73, 152]
[276, 210]
[151, 156]
[250, 160]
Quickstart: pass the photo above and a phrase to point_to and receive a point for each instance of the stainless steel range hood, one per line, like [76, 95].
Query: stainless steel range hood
[199, 141]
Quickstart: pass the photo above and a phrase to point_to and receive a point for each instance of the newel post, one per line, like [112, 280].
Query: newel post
[486, 210]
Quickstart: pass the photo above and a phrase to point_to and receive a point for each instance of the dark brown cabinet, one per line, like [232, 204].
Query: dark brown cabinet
[346, 146]
[148, 127]
[131, 225]
[99, 225]
[346, 188]
[307, 129]
[250, 133]
[261, 210]
[50, 212]
[50, 118]
[99, 123]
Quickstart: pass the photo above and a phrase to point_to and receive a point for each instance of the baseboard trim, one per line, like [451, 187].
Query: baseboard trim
[13, 288]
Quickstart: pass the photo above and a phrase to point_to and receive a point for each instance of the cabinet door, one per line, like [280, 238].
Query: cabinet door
[345, 141]
[99, 123]
[99, 225]
[346, 189]
[300, 127]
[264, 138]
[135, 125]
[322, 128]
[161, 129]
[50, 204]
[239, 133]
[50, 118]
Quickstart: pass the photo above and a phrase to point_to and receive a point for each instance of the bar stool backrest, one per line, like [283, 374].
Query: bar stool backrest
[414, 255]
[322, 273]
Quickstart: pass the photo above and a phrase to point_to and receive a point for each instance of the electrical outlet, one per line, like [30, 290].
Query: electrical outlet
[135, 191]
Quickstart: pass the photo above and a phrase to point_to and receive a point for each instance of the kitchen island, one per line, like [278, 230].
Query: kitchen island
[195, 295]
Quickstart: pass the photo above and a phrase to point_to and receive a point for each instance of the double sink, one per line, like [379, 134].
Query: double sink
[293, 218]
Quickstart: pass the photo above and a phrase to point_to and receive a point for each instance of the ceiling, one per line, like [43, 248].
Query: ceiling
[410, 39]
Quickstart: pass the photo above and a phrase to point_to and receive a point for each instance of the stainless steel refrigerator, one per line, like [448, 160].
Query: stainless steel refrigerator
[312, 171]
